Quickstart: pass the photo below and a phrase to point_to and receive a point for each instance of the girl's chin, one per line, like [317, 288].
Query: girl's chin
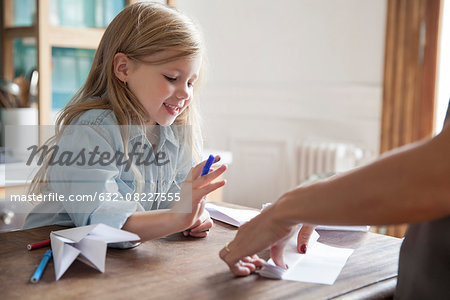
[166, 122]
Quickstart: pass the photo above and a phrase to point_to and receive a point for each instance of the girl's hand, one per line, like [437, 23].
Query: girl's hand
[191, 206]
[263, 231]
[201, 226]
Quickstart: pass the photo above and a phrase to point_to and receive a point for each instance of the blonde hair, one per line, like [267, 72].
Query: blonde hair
[140, 30]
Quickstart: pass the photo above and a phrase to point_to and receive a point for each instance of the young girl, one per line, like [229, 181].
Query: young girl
[123, 147]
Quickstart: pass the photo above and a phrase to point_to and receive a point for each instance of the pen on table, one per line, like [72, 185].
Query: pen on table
[40, 269]
[205, 171]
[38, 245]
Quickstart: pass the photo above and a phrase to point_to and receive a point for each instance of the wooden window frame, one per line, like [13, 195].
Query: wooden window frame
[410, 71]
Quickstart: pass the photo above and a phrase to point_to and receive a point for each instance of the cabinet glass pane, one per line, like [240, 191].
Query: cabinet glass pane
[24, 12]
[69, 13]
[84, 13]
[70, 70]
[24, 56]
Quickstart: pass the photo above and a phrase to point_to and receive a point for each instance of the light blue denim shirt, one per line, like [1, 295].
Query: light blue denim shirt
[98, 130]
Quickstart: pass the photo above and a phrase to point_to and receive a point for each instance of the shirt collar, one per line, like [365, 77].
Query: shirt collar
[167, 134]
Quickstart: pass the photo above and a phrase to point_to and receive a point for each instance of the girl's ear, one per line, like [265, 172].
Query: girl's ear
[121, 66]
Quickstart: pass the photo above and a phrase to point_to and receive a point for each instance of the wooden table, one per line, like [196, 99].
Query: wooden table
[177, 267]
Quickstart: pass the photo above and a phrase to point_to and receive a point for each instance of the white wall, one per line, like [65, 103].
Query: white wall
[283, 71]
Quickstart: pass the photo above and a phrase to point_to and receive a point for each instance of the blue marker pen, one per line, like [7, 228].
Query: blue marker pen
[208, 165]
[205, 171]
[40, 269]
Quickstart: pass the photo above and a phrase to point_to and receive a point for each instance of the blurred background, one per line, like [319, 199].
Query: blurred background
[295, 88]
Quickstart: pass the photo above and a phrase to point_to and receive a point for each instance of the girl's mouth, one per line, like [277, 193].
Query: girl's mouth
[172, 109]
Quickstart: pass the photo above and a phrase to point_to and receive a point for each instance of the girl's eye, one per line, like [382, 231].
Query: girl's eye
[170, 79]
[190, 84]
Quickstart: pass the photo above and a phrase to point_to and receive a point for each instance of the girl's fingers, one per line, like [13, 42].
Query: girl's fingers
[201, 230]
[198, 234]
[207, 224]
[197, 223]
[204, 180]
[211, 187]
[197, 170]
[191, 187]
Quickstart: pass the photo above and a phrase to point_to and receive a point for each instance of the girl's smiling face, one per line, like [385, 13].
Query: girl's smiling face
[164, 90]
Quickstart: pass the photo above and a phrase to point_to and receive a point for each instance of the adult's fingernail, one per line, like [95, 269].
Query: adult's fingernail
[303, 249]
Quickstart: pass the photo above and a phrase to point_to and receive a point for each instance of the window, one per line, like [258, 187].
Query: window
[443, 83]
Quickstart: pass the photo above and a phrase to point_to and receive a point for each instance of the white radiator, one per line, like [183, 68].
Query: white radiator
[316, 158]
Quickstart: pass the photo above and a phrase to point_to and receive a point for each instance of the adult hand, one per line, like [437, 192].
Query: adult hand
[277, 250]
[263, 231]
[303, 238]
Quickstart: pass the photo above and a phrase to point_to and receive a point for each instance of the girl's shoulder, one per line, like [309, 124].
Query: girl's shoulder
[93, 127]
[97, 117]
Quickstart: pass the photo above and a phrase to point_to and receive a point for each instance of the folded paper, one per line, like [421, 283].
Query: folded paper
[321, 263]
[87, 243]
[232, 216]
[343, 228]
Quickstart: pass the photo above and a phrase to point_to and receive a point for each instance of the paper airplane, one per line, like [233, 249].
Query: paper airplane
[87, 243]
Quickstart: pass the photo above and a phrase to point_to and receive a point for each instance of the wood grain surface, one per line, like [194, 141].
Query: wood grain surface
[177, 267]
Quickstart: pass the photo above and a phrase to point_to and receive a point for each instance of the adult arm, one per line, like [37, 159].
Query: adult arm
[407, 185]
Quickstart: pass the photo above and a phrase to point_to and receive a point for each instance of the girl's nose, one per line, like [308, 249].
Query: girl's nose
[182, 93]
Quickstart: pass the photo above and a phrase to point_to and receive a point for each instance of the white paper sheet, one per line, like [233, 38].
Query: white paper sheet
[332, 227]
[232, 216]
[343, 228]
[237, 217]
[321, 263]
[87, 243]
